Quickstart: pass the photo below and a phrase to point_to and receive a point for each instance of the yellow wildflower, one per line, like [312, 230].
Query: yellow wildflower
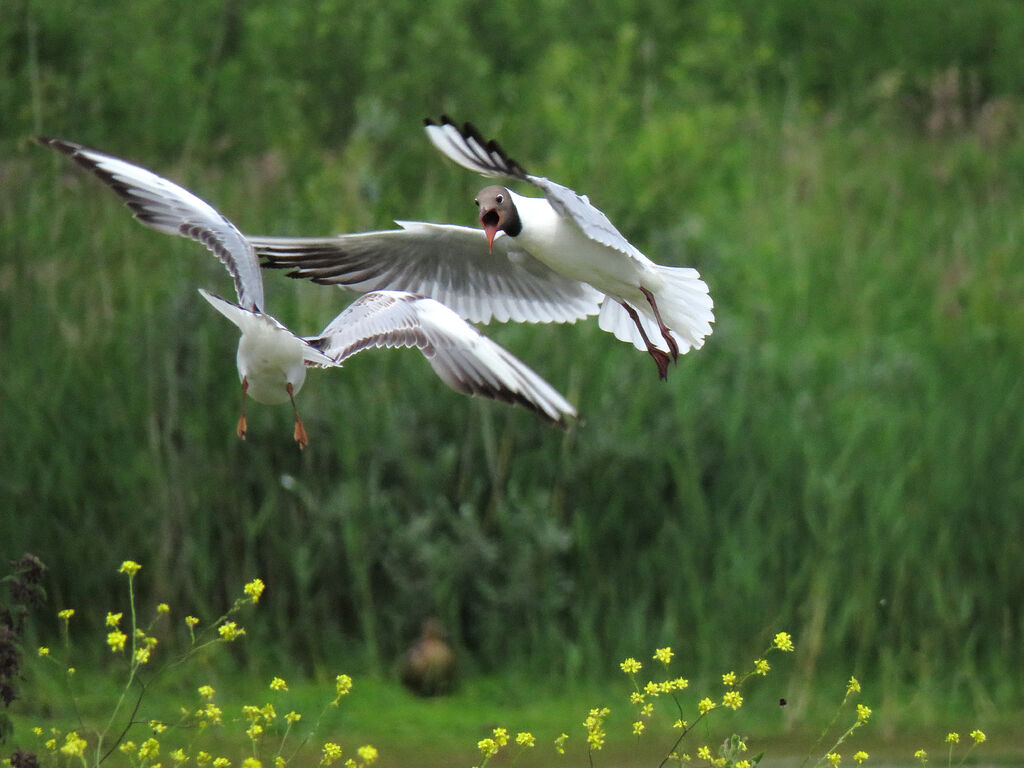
[704, 753]
[74, 745]
[631, 666]
[116, 640]
[163, 608]
[679, 724]
[331, 753]
[213, 713]
[229, 630]
[280, 762]
[636, 697]
[678, 684]
[783, 642]
[732, 699]
[202, 758]
[37, 731]
[742, 764]
[130, 567]
[647, 709]
[251, 762]
[157, 726]
[952, 737]
[705, 705]
[978, 736]
[921, 755]
[664, 655]
[729, 678]
[652, 688]
[206, 691]
[66, 614]
[367, 753]
[342, 685]
[127, 747]
[560, 743]
[863, 713]
[525, 739]
[853, 686]
[254, 589]
[150, 748]
[277, 684]
[638, 727]
[44, 651]
[860, 756]
[501, 736]
[142, 655]
[179, 755]
[761, 666]
[191, 621]
[595, 727]
[292, 717]
[221, 762]
[51, 744]
[254, 731]
[113, 619]
[488, 747]
[833, 758]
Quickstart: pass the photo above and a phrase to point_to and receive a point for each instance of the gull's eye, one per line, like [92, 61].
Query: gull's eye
[500, 199]
[476, 201]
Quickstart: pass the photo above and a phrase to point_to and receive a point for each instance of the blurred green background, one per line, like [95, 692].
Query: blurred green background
[844, 459]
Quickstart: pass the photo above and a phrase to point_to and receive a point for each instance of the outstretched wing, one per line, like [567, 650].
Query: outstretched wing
[447, 262]
[467, 147]
[465, 359]
[169, 208]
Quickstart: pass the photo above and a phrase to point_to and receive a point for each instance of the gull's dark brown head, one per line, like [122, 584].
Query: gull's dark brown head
[497, 212]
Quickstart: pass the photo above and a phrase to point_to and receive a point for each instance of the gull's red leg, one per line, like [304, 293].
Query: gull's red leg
[661, 358]
[242, 425]
[300, 431]
[664, 328]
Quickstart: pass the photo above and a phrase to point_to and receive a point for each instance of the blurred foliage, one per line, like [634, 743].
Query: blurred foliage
[842, 459]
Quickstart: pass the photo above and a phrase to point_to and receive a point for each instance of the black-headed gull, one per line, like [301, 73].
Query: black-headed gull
[271, 359]
[555, 258]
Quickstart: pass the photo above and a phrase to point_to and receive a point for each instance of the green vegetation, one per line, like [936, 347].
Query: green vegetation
[843, 458]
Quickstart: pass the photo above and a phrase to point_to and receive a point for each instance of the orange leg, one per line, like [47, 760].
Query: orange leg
[300, 431]
[660, 358]
[664, 328]
[241, 420]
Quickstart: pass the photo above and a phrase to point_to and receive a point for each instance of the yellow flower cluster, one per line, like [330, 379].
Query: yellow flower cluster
[729, 678]
[342, 686]
[784, 642]
[761, 666]
[638, 727]
[664, 655]
[977, 736]
[705, 705]
[833, 758]
[278, 684]
[860, 756]
[74, 745]
[863, 713]
[921, 755]
[66, 614]
[130, 567]
[560, 743]
[631, 666]
[733, 700]
[113, 619]
[525, 739]
[367, 753]
[853, 686]
[116, 640]
[206, 691]
[595, 727]
[254, 589]
[229, 630]
[952, 738]
[331, 752]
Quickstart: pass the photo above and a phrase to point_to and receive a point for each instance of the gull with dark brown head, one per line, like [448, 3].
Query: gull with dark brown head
[555, 258]
[271, 359]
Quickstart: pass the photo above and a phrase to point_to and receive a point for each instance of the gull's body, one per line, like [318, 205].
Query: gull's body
[271, 359]
[555, 258]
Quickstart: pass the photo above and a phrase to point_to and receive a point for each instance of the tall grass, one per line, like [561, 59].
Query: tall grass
[843, 458]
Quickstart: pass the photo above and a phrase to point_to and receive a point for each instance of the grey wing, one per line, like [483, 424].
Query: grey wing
[466, 146]
[166, 207]
[446, 262]
[465, 359]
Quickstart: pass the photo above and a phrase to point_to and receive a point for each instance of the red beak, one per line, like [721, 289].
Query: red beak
[490, 221]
